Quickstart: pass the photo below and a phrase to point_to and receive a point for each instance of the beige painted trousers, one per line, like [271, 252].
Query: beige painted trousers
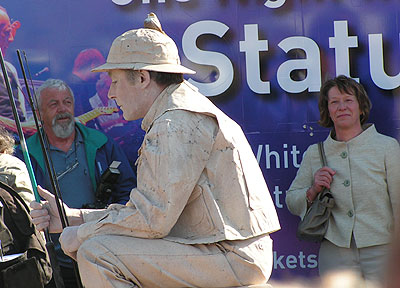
[120, 261]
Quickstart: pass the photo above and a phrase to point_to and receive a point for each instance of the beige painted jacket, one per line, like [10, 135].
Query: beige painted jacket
[198, 179]
[366, 187]
[13, 172]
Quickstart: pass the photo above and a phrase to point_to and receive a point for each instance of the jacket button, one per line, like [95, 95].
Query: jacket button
[343, 154]
[346, 183]
[350, 213]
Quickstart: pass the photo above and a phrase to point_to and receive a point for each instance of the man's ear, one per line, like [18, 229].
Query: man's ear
[144, 77]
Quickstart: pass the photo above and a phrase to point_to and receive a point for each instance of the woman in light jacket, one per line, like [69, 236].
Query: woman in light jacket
[363, 174]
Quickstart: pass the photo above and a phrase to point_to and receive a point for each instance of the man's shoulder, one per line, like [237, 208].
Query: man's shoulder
[186, 117]
[92, 135]
[96, 140]
[34, 146]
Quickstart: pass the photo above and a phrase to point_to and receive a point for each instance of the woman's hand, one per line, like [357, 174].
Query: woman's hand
[322, 179]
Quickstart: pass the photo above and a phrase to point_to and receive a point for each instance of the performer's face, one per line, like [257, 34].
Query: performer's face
[6, 36]
[57, 111]
[132, 97]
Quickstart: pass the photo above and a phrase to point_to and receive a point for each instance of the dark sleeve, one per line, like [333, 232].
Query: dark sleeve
[126, 180]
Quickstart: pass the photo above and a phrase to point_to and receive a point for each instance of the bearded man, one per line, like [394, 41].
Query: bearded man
[79, 154]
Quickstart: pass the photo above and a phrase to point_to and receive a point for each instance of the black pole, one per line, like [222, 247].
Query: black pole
[53, 179]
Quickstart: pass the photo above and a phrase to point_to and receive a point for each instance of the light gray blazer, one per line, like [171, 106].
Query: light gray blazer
[366, 187]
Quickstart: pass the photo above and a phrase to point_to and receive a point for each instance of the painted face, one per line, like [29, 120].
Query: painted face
[344, 110]
[129, 96]
[6, 35]
[57, 111]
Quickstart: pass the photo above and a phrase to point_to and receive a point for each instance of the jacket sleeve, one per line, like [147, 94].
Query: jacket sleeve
[173, 155]
[392, 165]
[296, 194]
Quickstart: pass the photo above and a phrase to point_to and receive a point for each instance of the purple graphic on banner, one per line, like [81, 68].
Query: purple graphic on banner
[261, 62]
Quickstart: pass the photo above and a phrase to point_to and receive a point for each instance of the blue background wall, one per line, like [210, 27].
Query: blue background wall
[254, 44]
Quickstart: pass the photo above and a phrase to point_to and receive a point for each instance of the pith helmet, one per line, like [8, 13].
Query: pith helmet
[146, 48]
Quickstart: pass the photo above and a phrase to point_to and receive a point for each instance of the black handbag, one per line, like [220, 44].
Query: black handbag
[315, 223]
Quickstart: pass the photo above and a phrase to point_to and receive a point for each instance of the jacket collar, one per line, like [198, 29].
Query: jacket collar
[158, 107]
[93, 140]
[368, 130]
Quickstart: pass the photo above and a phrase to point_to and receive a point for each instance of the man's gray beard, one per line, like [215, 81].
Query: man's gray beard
[63, 130]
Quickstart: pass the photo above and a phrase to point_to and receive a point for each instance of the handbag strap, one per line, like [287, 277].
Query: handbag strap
[324, 163]
[322, 153]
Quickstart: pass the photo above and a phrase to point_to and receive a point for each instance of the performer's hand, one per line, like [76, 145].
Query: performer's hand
[45, 214]
[69, 241]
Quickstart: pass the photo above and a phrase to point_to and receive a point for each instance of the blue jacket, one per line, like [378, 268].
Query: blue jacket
[99, 149]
